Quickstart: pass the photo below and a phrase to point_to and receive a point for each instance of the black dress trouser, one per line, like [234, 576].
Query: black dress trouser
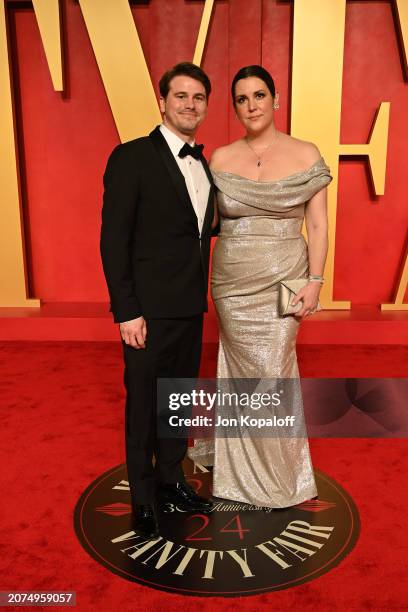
[173, 350]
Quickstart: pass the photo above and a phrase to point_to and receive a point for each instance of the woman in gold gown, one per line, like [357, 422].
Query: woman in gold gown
[267, 182]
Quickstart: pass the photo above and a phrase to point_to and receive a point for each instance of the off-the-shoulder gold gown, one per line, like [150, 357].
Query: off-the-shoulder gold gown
[260, 244]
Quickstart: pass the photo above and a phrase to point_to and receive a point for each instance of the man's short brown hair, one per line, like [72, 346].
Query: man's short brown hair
[184, 69]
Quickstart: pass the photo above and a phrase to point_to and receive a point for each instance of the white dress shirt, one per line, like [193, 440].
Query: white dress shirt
[198, 185]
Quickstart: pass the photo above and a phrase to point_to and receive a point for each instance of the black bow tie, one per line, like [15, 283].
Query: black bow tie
[187, 149]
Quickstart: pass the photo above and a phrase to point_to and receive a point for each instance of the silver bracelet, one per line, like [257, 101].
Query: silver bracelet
[316, 278]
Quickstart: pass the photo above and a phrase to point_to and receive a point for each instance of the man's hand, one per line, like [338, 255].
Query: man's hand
[134, 332]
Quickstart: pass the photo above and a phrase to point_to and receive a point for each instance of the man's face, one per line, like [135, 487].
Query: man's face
[185, 106]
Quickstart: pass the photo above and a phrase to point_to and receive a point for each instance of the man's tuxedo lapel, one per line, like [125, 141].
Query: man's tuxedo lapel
[174, 171]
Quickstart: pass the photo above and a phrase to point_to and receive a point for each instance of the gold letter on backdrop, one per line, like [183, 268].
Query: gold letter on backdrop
[122, 65]
[317, 74]
[13, 285]
[47, 13]
[402, 15]
[202, 33]
[13, 291]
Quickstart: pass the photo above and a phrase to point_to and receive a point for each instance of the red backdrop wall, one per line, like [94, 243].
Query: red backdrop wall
[65, 139]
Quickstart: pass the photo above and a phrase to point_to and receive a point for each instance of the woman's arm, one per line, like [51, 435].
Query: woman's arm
[316, 226]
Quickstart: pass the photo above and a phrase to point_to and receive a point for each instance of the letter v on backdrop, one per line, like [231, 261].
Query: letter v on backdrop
[315, 108]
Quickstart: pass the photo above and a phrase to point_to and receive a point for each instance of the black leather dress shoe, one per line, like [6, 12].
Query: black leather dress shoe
[182, 495]
[144, 521]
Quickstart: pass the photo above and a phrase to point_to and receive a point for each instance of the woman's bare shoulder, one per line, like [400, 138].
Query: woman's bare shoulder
[221, 157]
[303, 149]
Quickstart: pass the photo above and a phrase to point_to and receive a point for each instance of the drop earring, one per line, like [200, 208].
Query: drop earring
[276, 102]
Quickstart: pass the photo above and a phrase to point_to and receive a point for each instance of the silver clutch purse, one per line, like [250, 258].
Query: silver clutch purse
[287, 291]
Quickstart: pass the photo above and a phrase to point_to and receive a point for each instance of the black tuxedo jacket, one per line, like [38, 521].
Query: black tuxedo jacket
[154, 262]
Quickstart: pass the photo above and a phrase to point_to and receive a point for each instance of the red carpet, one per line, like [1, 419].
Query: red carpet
[62, 423]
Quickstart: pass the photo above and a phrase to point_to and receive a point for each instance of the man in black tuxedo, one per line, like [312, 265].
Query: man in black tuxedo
[155, 243]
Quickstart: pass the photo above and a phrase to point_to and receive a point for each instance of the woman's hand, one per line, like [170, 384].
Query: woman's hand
[309, 294]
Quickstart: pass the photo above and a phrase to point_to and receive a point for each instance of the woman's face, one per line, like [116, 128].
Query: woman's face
[253, 104]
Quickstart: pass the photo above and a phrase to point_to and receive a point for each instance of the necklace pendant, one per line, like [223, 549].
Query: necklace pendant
[259, 163]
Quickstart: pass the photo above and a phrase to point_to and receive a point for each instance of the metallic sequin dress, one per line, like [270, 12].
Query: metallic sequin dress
[260, 244]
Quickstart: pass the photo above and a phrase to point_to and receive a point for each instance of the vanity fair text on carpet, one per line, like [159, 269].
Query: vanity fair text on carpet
[297, 542]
